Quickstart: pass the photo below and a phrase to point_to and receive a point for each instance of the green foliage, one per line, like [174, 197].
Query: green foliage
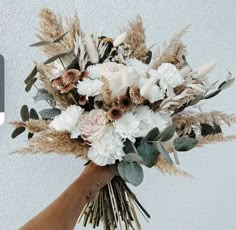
[43, 94]
[167, 133]
[152, 135]
[148, 153]
[54, 58]
[49, 113]
[164, 153]
[17, 132]
[33, 114]
[184, 143]
[24, 113]
[131, 172]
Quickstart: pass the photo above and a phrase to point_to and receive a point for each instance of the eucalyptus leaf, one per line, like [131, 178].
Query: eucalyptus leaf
[164, 153]
[149, 154]
[152, 135]
[149, 57]
[128, 147]
[43, 94]
[24, 112]
[167, 133]
[54, 58]
[131, 172]
[42, 43]
[17, 132]
[30, 84]
[213, 94]
[49, 113]
[133, 157]
[31, 75]
[184, 143]
[33, 114]
[226, 84]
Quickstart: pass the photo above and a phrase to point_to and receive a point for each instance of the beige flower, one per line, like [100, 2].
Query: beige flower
[92, 125]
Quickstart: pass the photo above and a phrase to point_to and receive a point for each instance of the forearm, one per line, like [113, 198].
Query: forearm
[63, 213]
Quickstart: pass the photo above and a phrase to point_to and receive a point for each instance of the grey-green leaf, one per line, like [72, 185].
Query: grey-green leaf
[133, 157]
[131, 172]
[164, 153]
[42, 43]
[33, 114]
[195, 100]
[17, 132]
[184, 143]
[61, 37]
[31, 75]
[30, 84]
[226, 84]
[49, 113]
[167, 133]
[149, 154]
[54, 58]
[24, 112]
[43, 94]
[152, 135]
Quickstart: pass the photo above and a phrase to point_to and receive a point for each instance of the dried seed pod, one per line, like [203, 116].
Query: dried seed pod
[124, 102]
[58, 83]
[114, 113]
[135, 95]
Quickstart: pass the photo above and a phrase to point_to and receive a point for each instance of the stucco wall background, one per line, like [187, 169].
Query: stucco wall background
[29, 183]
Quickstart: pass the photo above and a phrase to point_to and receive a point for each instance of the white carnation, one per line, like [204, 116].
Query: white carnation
[94, 71]
[139, 66]
[127, 126]
[108, 149]
[67, 120]
[89, 88]
[170, 77]
[150, 119]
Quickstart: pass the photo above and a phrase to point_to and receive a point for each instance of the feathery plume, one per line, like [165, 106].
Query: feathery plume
[136, 39]
[212, 139]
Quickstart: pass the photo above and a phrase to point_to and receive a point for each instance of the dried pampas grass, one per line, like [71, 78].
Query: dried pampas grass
[136, 39]
[33, 126]
[212, 139]
[56, 142]
[174, 52]
[167, 168]
[51, 27]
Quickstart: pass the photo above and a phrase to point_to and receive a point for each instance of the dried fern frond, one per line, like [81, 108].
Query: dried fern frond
[171, 169]
[56, 142]
[174, 52]
[185, 121]
[33, 126]
[50, 28]
[136, 39]
[44, 72]
[212, 139]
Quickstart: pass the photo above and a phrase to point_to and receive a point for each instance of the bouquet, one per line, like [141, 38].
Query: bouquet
[111, 101]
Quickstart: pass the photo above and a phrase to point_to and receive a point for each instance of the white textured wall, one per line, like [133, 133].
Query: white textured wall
[29, 183]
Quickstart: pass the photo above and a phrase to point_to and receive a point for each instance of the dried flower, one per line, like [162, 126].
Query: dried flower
[124, 102]
[91, 49]
[71, 76]
[114, 113]
[82, 100]
[120, 39]
[135, 95]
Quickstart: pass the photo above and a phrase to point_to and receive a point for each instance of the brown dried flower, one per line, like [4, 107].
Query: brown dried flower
[66, 82]
[124, 102]
[135, 95]
[82, 100]
[71, 76]
[114, 113]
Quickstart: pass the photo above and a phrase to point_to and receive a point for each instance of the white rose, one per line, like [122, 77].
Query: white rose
[92, 125]
[67, 120]
[120, 77]
[107, 149]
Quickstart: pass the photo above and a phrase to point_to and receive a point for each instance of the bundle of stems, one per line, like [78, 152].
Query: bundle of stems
[114, 207]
